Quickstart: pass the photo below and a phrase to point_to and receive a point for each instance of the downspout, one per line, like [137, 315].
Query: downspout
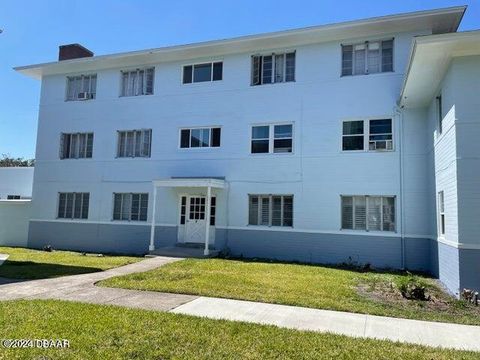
[400, 113]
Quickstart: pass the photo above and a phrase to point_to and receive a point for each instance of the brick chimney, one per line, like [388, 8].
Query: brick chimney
[73, 51]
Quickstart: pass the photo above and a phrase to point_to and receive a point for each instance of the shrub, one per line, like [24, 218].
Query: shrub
[412, 287]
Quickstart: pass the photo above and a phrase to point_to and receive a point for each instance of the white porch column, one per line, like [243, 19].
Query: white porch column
[151, 247]
[207, 215]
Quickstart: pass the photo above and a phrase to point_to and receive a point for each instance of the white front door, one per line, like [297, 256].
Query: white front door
[195, 220]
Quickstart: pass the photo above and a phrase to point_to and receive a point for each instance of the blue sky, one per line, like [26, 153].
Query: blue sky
[32, 32]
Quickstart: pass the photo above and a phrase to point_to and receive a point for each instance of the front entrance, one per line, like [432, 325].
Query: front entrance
[195, 220]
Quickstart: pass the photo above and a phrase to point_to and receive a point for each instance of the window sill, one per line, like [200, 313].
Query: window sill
[200, 149]
[369, 74]
[273, 154]
[267, 227]
[375, 232]
[134, 96]
[275, 83]
[86, 100]
[366, 151]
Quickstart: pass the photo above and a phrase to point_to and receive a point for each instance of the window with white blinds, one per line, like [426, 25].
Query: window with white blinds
[273, 68]
[134, 143]
[270, 210]
[130, 206]
[76, 146]
[73, 205]
[370, 213]
[137, 82]
[81, 87]
[368, 57]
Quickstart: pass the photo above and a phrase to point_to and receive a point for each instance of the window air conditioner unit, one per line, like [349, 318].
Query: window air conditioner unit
[380, 145]
[83, 96]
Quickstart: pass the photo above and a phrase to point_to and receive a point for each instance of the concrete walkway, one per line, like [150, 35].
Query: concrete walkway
[81, 288]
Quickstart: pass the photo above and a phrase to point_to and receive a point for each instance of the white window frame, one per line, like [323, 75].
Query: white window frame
[271, 138]
[273, 55]
[93, 94]
[144, 87]
[366, 134]
[75, 153]
[190, 148]
[366, 57]
[366, 212]
[135, 131]
[74, 194]
[123, 194]
[270, 210]
[441, 214]
[201, 63]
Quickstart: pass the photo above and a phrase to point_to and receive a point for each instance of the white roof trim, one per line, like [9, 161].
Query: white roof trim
[430, 58]
[439, 20]
[191, 182]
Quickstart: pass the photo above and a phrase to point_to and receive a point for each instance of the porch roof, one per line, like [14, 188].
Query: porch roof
[213, 182]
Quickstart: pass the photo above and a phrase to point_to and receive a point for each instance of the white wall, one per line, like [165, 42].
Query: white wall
[317, 173]
[14, 217]
[16, 181]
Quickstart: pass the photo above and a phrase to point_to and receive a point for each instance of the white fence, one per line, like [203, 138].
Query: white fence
[14, 217]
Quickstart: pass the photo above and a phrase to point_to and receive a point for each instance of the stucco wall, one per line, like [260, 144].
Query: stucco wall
[14, 216]
[16, 181]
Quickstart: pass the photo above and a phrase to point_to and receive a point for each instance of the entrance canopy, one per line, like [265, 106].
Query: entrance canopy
[208, 183]
[205, 182]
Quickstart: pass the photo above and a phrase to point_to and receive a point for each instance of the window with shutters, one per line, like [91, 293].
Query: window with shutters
[130, 206]
[200, 137]
[211, 71]
[441, 213]
[270, 210]
[369, 213]
[137, 82]
[369, 57]
[134, 143]
[272, 139]
[371, 135]
[76, 145]
[73, 205]
[273, 68]
[81, 87]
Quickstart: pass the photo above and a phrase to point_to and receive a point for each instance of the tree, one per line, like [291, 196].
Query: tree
[7, 161]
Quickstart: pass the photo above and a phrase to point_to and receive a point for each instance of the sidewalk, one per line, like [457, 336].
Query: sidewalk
[81, 288]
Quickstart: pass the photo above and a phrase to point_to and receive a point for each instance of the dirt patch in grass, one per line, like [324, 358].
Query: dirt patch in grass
[387, 293]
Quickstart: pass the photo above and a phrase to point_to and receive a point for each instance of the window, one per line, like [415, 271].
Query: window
[370, 213]
[73, 205]
[441, 213]
[137, 82]
[353, 137]
[82, 87]
[183, 210]
[134, 143]
[76, 146]
[440, 114]
[272, 139]
[203, 72]
[130, 207]
[200, 137]
[380, 135]
[273, 68]
[13, 197]
[270, 210]
[367, 58]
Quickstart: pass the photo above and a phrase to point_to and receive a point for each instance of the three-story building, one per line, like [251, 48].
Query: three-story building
[315, 145]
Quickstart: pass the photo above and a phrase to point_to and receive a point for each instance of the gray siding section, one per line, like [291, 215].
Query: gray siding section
[448, 267]
[469, 261]
[381, 252]
[102, 238]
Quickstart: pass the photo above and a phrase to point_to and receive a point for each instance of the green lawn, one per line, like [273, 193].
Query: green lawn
[300, 285]
[110, 332]
[35, 264]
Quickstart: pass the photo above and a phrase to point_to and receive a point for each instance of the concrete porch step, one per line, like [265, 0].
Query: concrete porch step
[183, 251]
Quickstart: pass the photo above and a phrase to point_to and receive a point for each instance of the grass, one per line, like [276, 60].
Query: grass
[36, 264]
[301, 285]
[110, 332]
